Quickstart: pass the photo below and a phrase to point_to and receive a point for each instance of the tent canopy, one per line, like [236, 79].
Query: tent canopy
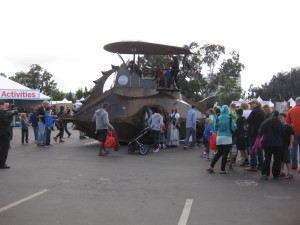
[8, 84]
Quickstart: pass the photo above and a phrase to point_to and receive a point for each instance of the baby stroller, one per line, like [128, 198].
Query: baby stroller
[134, 143]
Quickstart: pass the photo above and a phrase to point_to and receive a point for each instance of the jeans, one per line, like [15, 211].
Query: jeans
[294, 152]
[155, 138]
[48, 136]
[36, 133]
[41, 136]
[189, 132]
[223, 150]
[255, 156]
[276, 151]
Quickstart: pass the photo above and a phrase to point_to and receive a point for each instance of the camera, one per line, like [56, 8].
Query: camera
[11, 110]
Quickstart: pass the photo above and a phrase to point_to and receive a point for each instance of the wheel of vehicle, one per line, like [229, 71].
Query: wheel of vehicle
[130, 150]
[144, 150]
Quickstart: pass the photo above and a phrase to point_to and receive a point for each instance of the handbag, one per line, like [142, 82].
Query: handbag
[213, 142]
[110, 139]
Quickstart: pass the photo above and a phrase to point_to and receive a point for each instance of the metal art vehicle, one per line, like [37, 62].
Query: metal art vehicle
[133, 97]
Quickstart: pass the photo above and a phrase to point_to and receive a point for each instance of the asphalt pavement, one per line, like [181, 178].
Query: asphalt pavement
[69, 184]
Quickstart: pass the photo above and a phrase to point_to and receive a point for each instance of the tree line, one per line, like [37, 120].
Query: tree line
[282, 87]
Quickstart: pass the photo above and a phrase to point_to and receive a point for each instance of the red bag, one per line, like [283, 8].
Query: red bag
[112, 141]
[213, 142]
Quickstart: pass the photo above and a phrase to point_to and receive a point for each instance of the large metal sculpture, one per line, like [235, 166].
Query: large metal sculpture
[133, 97]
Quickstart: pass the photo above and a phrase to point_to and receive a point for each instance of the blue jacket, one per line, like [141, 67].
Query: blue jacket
[49, 120]
[208, 132]
[223, 123]
[272, 136]
[33, 120]
[191, 118]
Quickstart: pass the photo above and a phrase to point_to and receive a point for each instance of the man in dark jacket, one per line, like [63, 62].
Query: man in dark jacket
[5, 120]
[254, 121]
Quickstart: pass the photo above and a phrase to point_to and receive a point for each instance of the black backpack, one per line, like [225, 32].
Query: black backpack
[244, 129]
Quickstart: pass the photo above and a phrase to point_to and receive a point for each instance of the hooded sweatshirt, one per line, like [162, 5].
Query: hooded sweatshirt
[102, 121]
[155, 122]
[224, 134]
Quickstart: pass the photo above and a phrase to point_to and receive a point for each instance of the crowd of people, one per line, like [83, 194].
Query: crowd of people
[41, 118]
[254, 132]
[257, 133]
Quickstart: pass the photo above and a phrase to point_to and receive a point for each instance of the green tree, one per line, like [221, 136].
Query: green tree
[58, 95]
[86, 93]
[79, 93]
[36, 78]
[229, 91]
[70, 97]
[283, 85]
[204, 72]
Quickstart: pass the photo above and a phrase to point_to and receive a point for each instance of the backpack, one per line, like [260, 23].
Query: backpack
[223, 126]
[244, 129]
[58, 125]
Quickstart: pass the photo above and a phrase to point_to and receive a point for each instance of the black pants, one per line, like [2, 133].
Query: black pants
[24, 135]
[65, 125]
[155, 138]
[4, 146]
[173, 76]
[60, 134]
[48, 136]
[223, 150]
[276, 152]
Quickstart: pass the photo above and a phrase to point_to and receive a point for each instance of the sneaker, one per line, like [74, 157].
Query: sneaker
[259, 167]
[61, 140]
[230, 167]
[245, 164]
[69, 135]
[203, 154]
[55, 139]
[264, 177]
[156, 150]
[47, 146]
[184, 147]
[250, 169]
[208, 158]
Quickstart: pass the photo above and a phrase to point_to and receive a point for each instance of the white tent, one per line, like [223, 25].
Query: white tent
[238, 103]
[8, 84]
[292, 102]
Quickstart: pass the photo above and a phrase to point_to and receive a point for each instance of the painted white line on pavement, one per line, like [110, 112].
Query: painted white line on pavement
[91, 143]
[186, 212]
[22, 200]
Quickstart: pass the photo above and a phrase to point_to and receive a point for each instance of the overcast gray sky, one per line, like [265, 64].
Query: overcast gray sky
[67, 37]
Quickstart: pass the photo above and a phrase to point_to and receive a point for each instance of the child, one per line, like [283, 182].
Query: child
[60, 128]
[162, 137]
[241, 133]
[288, 140]
[207, 134]
[24, 124]
[48, 126]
